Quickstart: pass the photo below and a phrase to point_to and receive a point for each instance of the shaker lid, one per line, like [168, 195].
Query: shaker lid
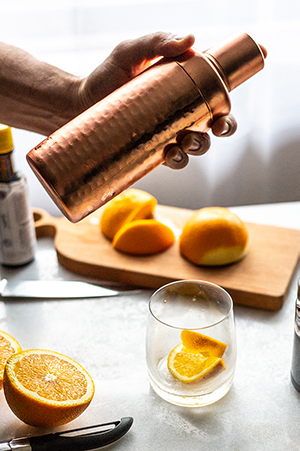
[237, 59]
[6, 139]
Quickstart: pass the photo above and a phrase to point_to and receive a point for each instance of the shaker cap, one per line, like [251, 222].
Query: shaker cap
[6, 139]
[237, 59]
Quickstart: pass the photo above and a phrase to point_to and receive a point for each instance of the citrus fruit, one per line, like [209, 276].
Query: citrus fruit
[144, 236]
[45, 388]
[190, 366]
[128, 206]
[197, 356]
[214, 236]
[196, 342]
[8, 346]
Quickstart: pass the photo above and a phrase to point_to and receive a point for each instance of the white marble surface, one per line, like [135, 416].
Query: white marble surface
[261, 411]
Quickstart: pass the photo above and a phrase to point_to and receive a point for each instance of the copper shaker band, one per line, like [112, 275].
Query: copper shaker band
[120, 139]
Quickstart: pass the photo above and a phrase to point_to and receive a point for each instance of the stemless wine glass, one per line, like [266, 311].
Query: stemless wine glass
[190, 342]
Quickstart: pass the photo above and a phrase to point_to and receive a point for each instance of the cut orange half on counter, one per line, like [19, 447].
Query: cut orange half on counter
[45, 388]
[8, 347]
[143, 237]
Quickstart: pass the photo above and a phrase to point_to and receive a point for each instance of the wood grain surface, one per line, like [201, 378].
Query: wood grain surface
[260, 280]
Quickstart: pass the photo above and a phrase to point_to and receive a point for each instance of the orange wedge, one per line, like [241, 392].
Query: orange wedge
[196, 357]
[188, 367]
[45, 388]
[8, 347]
[128, 206]
[143, 237]
[195, 342]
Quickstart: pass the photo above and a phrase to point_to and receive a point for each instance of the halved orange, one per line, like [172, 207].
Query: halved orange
[143, 237]
[8, 347]
[128, 206]
[214, 236]
[189, 366]
[45, 388]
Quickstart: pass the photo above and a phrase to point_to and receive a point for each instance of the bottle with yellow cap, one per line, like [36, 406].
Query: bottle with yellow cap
[17, 233]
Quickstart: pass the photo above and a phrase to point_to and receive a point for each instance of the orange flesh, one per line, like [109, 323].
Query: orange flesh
[51, 377]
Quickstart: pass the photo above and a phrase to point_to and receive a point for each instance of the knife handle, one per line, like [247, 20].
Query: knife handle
[84, 438]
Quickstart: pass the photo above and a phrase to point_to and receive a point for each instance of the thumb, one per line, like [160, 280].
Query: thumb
[173, 45]
[149, 47]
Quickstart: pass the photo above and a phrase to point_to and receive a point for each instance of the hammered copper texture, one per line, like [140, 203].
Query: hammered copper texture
[121, 138]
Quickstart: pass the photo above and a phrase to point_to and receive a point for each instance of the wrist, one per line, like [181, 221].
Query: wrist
[35, 95]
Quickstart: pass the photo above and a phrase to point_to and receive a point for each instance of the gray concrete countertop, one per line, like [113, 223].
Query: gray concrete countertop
[107, 335]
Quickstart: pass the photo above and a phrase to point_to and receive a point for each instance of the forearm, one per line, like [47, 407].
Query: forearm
[35, 95]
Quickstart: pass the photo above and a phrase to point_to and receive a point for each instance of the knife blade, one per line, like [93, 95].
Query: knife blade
[54, 289]
[82, 439]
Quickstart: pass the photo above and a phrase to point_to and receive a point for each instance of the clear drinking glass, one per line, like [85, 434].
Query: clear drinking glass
[205, 312]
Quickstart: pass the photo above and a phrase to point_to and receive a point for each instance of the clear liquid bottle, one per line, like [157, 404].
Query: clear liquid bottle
[17, 232]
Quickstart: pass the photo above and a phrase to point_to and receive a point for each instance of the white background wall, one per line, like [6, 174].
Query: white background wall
[260, 163]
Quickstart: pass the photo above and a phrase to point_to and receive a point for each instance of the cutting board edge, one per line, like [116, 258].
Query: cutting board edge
[257, 297]
[272, 302]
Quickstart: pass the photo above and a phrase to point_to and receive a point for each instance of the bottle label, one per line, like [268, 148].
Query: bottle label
[17, 233]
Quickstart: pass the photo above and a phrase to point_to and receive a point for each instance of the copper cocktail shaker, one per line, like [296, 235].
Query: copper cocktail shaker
[120, 139]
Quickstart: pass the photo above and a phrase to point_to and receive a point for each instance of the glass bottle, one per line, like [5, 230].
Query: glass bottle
[17, 232]
[295, 371]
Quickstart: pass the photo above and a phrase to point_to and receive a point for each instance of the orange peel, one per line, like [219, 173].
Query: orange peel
[128, 206]
[143, 237]
[8, 347]
[214, 236]
[198, 356]
[45, 388]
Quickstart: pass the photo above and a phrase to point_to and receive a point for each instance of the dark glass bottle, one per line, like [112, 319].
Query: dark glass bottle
[295, 371]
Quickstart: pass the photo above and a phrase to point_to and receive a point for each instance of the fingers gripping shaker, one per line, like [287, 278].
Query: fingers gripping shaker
[120, 139]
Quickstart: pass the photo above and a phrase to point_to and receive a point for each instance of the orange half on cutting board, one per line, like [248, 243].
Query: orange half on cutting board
[128, 206]
[214, 236]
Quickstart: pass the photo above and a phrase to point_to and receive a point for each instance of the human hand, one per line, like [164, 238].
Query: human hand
[196, 143]
[127, 60]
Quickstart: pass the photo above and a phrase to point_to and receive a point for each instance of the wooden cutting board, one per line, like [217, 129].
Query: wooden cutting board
[261, 280]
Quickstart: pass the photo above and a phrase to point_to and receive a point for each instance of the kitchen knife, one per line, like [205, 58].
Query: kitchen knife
[55, 289]
[82, 439]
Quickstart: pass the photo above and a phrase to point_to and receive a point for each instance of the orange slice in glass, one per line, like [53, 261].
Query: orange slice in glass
[196, 342]
[188, 367]
[197, 356]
